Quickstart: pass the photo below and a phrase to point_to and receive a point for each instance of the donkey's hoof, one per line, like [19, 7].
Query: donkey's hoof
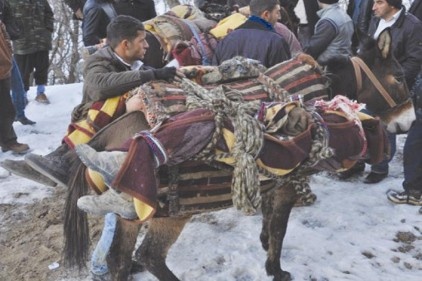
[102, 277]
[137, 267]
[284, 276]
[264, 238]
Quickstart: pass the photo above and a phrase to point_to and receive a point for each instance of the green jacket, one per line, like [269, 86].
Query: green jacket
[35, 17]
[105, 76]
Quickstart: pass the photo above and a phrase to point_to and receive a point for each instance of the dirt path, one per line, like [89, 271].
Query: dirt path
[32, 239]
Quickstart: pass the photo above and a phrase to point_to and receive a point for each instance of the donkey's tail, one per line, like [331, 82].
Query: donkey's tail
[76, 229]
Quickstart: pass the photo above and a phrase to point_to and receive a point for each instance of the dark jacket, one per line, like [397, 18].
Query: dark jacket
[365, 15]
[416, 9]
[36, 20]
[12, 26]
[106, 76]
[75, 4]
[142, 10]
[255, 41]
[1, 9]
[406, 35]
[97, 15]
[311, 9]
[417, 95]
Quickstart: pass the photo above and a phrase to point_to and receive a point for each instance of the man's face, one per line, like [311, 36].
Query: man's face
[383, 10]
[272, 16]
[136, 49]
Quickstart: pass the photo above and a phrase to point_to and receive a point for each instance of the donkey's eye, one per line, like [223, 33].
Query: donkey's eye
[399, 79]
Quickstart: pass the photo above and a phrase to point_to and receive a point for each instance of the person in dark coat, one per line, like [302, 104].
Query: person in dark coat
[412, 150]
[412, 157]
[416, 9]
[31, 49]
[77, 7]
[406, 33]
[97, 14]
[142, 10]
[256, 37]
[8, 139]
[306, 11]
[365, 15]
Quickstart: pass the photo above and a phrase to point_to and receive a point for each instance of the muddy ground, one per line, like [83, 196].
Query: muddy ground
[32, 239]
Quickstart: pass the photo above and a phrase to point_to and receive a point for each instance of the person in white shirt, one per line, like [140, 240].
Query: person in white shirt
[406, 33]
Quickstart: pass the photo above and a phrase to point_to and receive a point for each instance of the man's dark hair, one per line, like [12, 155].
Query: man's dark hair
[123, 28]
[257, 7]
[395, 3]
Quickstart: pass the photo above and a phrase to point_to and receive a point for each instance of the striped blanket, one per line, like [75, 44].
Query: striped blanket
[100, 114]
[299, 80]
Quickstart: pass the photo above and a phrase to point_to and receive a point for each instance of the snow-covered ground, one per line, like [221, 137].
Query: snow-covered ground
[348, 234]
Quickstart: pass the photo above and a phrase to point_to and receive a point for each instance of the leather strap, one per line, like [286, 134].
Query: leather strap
[360, 64]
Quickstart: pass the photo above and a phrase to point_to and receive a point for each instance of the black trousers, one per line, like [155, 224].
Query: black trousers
[37, 63]
[7, 114]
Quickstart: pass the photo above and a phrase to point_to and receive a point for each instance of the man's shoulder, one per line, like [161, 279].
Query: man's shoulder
[411, 19]
[104, 55]
[93, 5]
[410, 25]
[252, 32]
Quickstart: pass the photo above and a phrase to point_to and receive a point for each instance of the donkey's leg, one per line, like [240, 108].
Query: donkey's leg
[267, 210]
[119, 259]
[152, 253]
[284, 200]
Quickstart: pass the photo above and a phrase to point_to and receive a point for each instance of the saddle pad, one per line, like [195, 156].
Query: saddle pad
[345, 139]
[199, 187]
[300, 79]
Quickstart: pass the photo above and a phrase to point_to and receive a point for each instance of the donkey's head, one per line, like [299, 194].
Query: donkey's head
[384, 92]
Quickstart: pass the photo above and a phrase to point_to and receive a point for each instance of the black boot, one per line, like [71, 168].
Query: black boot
[374, 177]
[22, 169]
[53, 165]
[357, 169]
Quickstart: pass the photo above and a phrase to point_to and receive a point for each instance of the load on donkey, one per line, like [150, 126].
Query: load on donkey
[279, 193]
[189, 35]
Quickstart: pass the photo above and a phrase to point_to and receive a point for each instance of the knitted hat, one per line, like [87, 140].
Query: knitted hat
[328, 1]
[395, 3]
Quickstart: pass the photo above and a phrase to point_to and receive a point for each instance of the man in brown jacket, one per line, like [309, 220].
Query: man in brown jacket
[110, 72]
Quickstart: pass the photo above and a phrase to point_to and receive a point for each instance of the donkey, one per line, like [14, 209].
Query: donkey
[278, 198]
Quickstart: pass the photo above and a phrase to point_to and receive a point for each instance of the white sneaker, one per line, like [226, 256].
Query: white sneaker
[108, 202]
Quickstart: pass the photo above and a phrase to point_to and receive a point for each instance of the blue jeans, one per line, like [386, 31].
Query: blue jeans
[98, 258]
[18, 92]
[382, 167]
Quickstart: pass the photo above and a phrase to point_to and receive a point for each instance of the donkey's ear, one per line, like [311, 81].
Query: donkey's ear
[384, 43]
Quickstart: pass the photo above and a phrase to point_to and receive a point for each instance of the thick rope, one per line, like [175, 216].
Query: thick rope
[225, 102]
[249, 138]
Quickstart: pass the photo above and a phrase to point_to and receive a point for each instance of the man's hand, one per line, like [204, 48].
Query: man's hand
[168, 73]
[179, 76]
[165, 73]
